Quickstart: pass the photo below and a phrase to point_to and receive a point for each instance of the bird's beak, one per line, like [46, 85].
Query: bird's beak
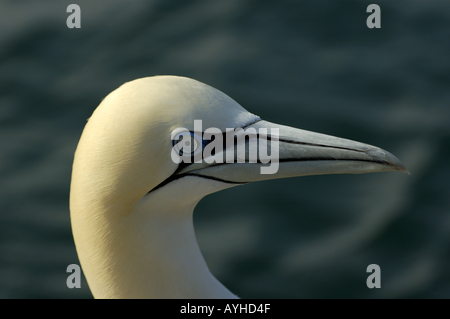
[300, 153]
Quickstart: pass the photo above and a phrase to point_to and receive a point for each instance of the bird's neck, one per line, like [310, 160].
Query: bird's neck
[150, 252]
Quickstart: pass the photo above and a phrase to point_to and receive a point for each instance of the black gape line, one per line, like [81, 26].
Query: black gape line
[174, 177]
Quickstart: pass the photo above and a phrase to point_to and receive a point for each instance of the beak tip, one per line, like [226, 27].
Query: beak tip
[403, 169]
[391, 160]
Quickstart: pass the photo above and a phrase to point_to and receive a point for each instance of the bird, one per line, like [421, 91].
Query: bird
[131, 204]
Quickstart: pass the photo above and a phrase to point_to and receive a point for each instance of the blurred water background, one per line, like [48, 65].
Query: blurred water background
[308, 64]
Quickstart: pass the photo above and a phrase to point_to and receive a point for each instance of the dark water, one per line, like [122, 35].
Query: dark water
[308, 64]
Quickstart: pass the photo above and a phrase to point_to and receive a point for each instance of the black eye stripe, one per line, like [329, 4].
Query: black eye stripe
[203, 142]
[194, 143]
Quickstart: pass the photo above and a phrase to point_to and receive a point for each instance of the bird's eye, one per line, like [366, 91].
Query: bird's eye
[187, 143]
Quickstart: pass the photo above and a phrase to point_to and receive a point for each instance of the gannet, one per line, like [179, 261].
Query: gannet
[131, 205]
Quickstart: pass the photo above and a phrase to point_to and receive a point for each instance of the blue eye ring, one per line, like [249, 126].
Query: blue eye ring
[191, 140]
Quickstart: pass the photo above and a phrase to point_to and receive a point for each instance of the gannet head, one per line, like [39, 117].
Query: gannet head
[130, 201]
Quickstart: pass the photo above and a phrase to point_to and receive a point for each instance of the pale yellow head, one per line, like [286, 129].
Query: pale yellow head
[138, 243]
